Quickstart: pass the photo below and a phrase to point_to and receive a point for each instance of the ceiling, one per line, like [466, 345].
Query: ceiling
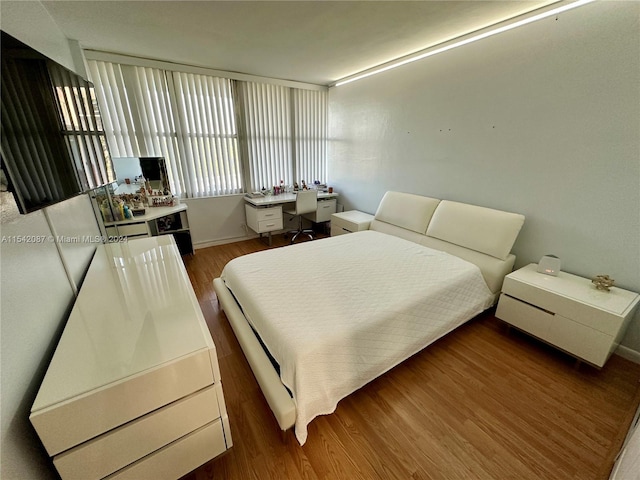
[308, 41]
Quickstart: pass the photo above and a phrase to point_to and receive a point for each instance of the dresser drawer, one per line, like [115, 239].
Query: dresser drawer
[125, 445]
[120, 402]
[178, 458]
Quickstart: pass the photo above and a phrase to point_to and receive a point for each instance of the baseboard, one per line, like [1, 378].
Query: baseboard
[628, 353]
[222, 241]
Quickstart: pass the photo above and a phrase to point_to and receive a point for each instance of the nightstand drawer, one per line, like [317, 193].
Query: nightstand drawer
[524, 316]
[350, 221]
[581, 341]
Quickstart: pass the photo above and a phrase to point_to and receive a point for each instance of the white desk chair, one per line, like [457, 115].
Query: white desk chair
[306, 202]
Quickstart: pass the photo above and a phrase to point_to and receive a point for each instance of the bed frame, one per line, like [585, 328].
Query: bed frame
[479, 235]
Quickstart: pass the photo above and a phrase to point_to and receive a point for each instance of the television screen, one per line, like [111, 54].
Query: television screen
[53, 143]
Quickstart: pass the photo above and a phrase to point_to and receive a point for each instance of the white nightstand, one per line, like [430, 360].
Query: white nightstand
[567, 311]
[348, 222]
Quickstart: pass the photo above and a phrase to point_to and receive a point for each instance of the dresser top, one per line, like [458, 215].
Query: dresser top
[136, 310]
[580, 289]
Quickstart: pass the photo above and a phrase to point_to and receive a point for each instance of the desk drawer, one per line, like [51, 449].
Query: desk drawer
[268, 213]
[133, 229]
[325, 209]
[270, 225]
[124, 445]
[180, 457]
[262, 220]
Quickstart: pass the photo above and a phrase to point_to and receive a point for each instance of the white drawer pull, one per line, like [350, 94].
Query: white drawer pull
[269, 214]
[326, 206]
[271, 224]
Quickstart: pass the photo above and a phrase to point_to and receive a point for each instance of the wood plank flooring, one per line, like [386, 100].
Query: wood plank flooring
[485, 402]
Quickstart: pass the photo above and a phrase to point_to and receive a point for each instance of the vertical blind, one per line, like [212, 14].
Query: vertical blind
[267, 118]
[286, 132]
[208, 136]
[191, 121]
[310, 134]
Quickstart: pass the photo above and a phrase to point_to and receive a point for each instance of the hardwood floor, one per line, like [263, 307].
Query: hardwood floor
[482, 403]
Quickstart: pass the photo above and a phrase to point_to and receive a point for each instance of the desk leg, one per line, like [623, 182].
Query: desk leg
[268, 238]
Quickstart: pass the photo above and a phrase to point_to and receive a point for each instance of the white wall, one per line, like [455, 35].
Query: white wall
[37, 280]
[543, 120]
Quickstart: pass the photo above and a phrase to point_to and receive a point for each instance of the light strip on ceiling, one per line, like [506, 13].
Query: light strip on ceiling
[460, 43]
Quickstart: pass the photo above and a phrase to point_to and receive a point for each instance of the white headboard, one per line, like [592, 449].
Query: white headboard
[480, 235]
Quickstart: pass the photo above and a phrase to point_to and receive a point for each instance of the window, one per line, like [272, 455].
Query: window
[190, 120]
[187, 119]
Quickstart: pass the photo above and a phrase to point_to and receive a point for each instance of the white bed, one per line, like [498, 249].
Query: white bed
[338, 312]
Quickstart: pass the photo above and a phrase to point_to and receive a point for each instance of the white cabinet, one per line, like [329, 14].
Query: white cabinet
[264, 219]
[324, 210]
[567, 311]
[350, 221]
[156, 221]
[135, 375]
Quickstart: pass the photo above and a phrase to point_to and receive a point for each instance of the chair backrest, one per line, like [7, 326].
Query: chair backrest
[306, 201]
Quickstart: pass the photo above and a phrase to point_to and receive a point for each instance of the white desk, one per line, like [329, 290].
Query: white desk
[153, 223]
[270, 200]
[264, 214]
[134, 381]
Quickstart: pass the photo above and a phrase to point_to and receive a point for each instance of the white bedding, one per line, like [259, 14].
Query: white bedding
[338, 312]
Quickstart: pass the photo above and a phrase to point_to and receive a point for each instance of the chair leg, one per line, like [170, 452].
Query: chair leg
[301, 231]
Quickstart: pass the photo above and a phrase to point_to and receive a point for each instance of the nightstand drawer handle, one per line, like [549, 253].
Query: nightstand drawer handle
[532, 305]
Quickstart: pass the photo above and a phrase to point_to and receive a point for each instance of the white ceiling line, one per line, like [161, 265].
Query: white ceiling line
[449, 46]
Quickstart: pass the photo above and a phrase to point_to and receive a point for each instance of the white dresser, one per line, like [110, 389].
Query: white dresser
[133, 389]
[349, 222]
[567, 311]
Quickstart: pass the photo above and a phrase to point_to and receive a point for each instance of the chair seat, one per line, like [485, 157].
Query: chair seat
[306, 202]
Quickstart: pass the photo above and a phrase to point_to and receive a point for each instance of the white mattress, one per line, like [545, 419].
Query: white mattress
[338, 312]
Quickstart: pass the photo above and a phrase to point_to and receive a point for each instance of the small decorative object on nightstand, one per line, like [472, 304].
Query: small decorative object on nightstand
[549, 265]
[567, 312]
[603, 282]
